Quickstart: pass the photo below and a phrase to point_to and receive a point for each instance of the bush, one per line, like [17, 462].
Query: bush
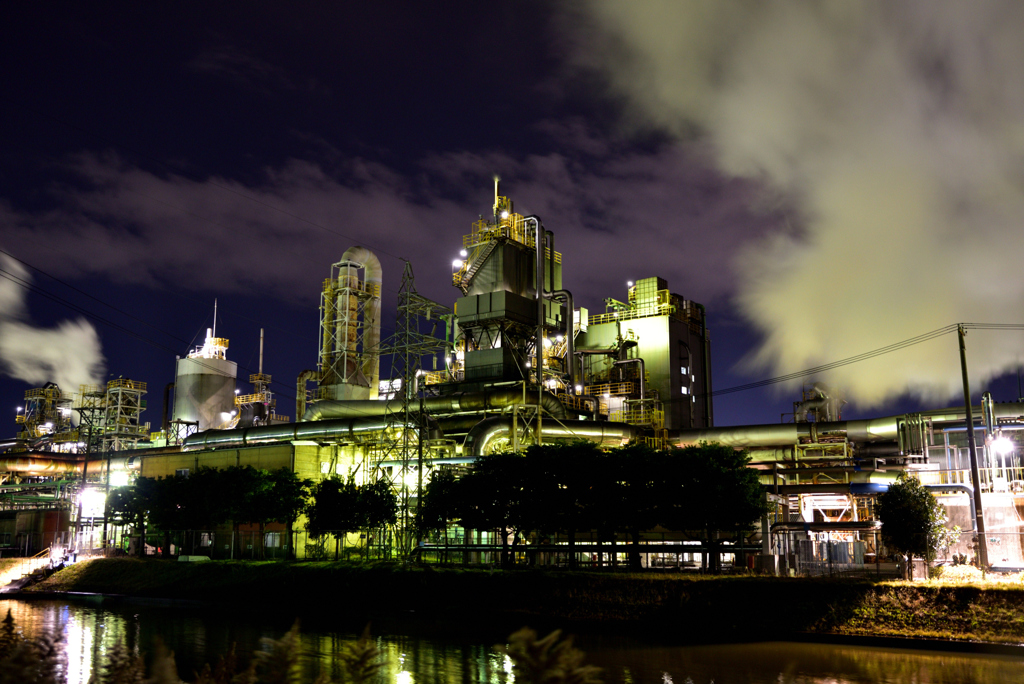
[958, 574]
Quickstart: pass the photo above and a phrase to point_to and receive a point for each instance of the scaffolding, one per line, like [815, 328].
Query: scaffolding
[122, 423]
[346, 312]
[47, 413]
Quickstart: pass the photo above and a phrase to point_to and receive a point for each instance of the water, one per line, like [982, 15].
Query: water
[420, 651]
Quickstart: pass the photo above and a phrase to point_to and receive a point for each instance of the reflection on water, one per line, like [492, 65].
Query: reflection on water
[200, 635]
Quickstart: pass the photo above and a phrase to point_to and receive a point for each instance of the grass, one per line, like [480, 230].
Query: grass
[689, 606]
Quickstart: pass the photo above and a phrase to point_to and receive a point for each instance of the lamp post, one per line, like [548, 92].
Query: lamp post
[979, 512]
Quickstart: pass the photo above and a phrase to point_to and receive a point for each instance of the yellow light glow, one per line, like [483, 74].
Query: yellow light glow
[92, 501]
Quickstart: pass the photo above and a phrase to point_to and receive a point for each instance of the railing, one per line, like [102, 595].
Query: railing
[992, 479]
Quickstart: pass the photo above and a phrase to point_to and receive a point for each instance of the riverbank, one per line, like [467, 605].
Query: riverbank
[688, 607]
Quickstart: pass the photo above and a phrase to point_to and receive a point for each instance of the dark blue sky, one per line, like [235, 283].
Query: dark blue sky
[156, 158]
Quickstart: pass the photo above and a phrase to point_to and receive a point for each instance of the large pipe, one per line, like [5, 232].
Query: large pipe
[603, 433]
[967, 489]
[48, 466]
[788, 434]
[300, 391]
[461, 402]
[570, 332]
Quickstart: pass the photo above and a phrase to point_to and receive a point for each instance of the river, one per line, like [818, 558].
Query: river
[420, 651]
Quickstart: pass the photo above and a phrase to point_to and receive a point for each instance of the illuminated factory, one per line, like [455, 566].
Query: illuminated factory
[513, 362]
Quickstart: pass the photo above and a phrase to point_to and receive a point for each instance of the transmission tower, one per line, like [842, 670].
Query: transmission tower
[418, 322]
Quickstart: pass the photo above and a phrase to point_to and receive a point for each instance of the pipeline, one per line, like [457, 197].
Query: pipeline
[462, 402]
[32, 465]
[603, 433]
[788, 434]
[300, 390]
[967, 489]
[354, 430]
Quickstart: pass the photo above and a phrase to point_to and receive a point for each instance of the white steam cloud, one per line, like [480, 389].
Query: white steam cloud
[68, 355]
[893, 130]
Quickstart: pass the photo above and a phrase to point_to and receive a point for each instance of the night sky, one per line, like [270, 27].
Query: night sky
[827, 179]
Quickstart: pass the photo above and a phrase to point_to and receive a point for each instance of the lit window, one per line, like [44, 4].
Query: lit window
[686, 390]
[683, 370]
[181, 472]
[325, 467]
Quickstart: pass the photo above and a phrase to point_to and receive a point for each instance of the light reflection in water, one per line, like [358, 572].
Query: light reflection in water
[199, 636]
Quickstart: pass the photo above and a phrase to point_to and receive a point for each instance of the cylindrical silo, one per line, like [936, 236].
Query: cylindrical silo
[204, 386]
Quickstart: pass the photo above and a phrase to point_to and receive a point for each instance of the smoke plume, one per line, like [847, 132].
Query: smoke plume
[893, 136]
[68, 355]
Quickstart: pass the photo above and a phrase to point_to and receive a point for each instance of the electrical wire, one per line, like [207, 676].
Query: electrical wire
[939, 332]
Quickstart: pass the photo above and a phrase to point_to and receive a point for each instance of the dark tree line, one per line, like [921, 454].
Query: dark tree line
[243, 495]
[338, 506]
[701, 490]
[209, 497]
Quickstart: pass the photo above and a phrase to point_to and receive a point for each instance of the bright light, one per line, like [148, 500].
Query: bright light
[233, 412]
[1002, 445]
[224, 415]
[92, 501]
[463, 253]
[457, 263]
[527, 364]
[579, 388]
[119, 478]
[629, 283]
[606, 395]
[558, 338]
[547, 342]
[504, 214]
[238, 391]
[20, 409]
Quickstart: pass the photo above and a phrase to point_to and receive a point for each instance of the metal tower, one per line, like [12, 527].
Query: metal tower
[406, 434]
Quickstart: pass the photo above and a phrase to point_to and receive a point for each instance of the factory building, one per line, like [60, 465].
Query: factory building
[512, 362]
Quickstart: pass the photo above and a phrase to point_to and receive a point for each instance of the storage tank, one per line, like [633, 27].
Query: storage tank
[204, 385]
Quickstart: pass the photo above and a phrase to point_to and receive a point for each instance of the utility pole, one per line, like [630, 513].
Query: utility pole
[973, 449]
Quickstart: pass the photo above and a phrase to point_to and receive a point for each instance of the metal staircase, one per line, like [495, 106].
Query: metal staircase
[477, 262]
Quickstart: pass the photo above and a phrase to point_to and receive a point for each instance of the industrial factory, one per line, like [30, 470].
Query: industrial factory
[512, 361]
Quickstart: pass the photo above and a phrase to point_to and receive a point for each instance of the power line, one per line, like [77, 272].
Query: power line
[897, 346]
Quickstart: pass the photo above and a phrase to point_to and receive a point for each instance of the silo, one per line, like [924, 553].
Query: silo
[204, 386]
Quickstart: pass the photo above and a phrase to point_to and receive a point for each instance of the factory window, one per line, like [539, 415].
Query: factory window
[272, 540]
[683, 370]
[181, 472]
[325, 467]
[686, 390]
[337, 469]
[206, 538]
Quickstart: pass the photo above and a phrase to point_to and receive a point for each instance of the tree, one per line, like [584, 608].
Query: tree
[491, 497]
[438, 505]
[709, 489]
[629, 487]
[559, 492]
[912, 519]
[333, 508]
[378, 507]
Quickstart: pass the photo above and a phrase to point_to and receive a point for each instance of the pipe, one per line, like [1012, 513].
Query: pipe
[167, 407]
[570, 331]
[300, 391]
[461, 402]
[603, 433]
[835, 526]
[788, 434]
[967, 489]
[48, 466]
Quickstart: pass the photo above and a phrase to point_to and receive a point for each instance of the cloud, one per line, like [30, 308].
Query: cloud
[606, 204]
[248, 71]
[893, 132]
[68, 355]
